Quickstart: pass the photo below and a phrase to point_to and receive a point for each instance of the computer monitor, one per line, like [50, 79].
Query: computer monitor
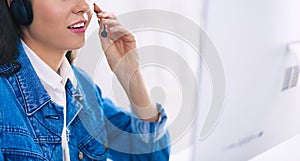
[261, 107]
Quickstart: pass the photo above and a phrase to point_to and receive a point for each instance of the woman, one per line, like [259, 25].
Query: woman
[51, 110]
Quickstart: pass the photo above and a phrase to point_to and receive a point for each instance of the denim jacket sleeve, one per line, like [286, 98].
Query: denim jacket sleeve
[130, 138]
[1, 156]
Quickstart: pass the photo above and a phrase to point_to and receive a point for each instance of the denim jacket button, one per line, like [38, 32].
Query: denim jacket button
[80, 155]
[105, 145]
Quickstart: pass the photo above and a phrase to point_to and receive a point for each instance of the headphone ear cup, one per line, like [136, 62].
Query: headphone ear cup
[22, 11]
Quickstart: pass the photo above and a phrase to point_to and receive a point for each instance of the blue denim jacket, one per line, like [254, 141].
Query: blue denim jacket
[31, 124]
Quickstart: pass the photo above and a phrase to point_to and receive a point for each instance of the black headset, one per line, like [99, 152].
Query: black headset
[22, 11]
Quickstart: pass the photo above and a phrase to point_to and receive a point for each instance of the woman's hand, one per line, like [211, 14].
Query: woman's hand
[119, 46]
[121, 53]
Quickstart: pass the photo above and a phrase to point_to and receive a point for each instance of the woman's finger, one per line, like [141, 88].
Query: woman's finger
[115, 33]
[97, 9]
[119, 32]
[106, 15]
[109, 22]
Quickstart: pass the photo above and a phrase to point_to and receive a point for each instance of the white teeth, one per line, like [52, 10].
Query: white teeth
[79, 25]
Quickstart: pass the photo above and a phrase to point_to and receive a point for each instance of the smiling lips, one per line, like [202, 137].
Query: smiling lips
[78, 27]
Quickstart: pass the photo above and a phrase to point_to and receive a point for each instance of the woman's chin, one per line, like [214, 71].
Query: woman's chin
[77, 46]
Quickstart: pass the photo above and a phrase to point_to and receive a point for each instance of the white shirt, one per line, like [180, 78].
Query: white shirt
[54, 84]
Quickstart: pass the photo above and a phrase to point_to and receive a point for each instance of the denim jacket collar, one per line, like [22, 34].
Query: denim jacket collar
[33, 92]
[8, 68]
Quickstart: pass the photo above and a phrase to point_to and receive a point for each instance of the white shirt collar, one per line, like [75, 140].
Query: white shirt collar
[46, 74]
[66, 72]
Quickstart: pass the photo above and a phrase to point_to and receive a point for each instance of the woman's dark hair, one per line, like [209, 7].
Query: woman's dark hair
[10, 34]
[71, 55]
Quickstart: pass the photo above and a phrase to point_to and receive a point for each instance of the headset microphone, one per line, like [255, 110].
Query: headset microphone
[103, 32]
